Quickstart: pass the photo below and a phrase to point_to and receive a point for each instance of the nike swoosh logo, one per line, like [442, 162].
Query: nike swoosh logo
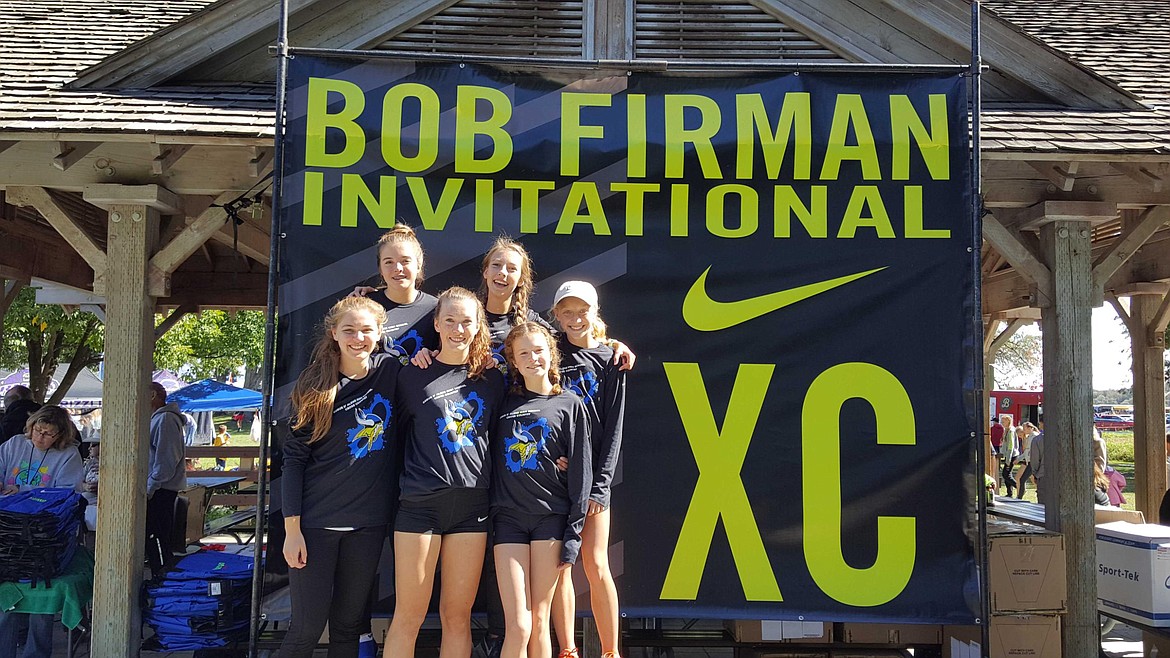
[705, 314]
[480, 519]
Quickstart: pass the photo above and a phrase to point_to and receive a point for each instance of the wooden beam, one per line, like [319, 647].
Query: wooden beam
[125, 435]
[1063, 177]
[1161, 317]
[1008, 244]
[60, 219]
[156, 197]
[1121, 312]
[990, 331]
[98, 311]
[171, 320]
[1147, 347]
[166, 155]
[261, 160]
[70, 153]
[1140, 174]
[252, 242]
[191, 238]
[1046, 212]
[1067, 486]
[1004, 336]
[1134, 235]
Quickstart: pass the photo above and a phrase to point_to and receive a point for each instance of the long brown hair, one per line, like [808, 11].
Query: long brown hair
[316, 387]
[402, 233]
[479, 352]
[523, 292]
[554, 355]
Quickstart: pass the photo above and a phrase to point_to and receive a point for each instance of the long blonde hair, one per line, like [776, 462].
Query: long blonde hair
[402, 233]
[523, 292]
[554, 355]
[479, 352]
[316, 387]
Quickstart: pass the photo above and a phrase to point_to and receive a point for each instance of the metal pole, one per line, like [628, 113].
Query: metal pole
[976, 88]
[282, 57]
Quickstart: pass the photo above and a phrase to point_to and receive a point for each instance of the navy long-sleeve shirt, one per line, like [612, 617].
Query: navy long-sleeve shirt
[446, 420]
[592, 375]
[533, 431]
[345, 479]
[409, 327]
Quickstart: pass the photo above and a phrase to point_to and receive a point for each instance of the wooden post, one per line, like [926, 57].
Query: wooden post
[1147, 346]
[1068, 398]
[132, 233]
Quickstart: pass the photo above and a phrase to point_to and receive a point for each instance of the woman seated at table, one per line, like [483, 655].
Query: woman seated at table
[44, 456]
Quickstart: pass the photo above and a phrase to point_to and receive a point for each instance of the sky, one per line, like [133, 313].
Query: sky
[1111, 362]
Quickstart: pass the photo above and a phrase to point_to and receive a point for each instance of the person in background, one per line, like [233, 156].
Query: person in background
[221, 438]
[1100, 455]
[1036, 460]
[166, 476]
[45, 455]
[1164, 508]
[1026, 431]
[1100, 486]
[1009, 452]
[18, 406]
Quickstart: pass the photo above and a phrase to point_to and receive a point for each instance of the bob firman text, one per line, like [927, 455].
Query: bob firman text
[715, 166]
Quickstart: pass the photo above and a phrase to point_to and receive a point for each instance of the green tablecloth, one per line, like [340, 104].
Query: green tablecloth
[68, 595]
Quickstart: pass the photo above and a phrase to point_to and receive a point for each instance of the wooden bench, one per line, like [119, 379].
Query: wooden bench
[248, 455]
[1014, 509]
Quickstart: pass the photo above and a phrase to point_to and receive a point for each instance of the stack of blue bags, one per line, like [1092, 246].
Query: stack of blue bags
[203, 602]
[39, 533]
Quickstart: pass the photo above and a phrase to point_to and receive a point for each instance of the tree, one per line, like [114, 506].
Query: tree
[42, 337]
[214, 344]
[1018, 362]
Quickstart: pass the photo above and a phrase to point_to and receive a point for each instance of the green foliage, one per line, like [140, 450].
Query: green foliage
[213, 343]
[1017, 363]
[42, 337]
[1113, 396]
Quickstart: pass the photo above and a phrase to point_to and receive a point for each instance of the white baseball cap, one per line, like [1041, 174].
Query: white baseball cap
[579, 289]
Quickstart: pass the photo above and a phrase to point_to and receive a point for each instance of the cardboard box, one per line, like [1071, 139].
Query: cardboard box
[1012, 636]
[1133, 571]
[896, 634]
[962, 641]
[1025, 636]
[787, 631]
[1155, 645]
[1027, 572]
[1106, 514]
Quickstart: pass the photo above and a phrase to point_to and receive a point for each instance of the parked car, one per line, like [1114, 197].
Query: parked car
[1110, 422]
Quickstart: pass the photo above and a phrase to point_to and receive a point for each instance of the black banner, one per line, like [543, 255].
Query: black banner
[790, 255]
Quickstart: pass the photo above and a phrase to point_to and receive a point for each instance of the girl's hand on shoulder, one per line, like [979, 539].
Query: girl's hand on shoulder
[623, 356]
[564, 566]
[562, 464]
[594, 508]
[423, 357]
[295, 552]
[362, 291]
[10, 490]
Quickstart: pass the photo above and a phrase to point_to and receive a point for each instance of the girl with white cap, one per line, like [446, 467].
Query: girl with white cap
[588, 369]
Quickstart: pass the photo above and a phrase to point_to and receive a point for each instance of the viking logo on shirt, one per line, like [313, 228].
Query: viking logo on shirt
[457, 426]
[501, 362]
[405, 346]
[585, 385]
[524, 446]
[368, 435]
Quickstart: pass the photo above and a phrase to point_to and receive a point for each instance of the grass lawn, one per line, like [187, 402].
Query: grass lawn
[238, 439]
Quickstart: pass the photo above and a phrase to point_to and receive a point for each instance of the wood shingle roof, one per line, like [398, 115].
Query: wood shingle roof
[48, 43]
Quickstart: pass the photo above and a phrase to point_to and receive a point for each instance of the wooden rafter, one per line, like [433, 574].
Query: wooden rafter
[70, 153]
[1022, 258]
[1131, 239]
[1062, 175]
[166, 155]
[1140, 173]
[191, 238]
[61, 220]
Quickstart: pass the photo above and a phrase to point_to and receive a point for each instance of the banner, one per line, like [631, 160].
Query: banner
[790, 255]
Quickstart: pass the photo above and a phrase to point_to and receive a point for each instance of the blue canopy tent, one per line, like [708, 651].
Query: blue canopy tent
[210, 395]
[203, 397]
